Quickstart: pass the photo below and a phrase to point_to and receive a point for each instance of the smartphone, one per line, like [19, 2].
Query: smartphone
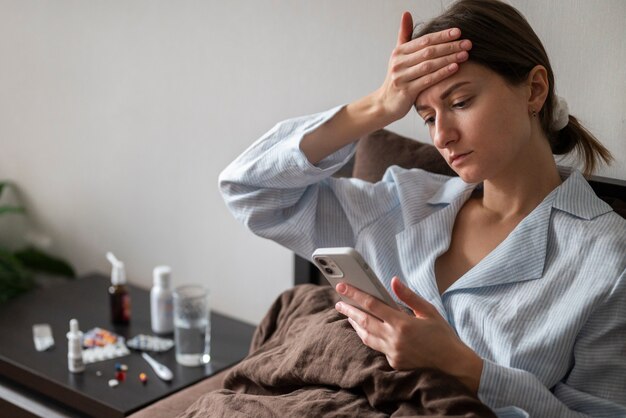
[346, 265]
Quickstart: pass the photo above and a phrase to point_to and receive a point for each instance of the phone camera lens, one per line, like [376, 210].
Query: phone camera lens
[328, 270]
[322, 261]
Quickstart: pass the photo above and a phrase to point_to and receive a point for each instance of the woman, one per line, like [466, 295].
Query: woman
[516, 277]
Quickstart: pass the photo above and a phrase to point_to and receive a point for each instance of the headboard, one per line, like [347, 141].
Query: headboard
[383, 148]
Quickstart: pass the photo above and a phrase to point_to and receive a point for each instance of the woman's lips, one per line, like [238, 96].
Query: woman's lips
[458, 159]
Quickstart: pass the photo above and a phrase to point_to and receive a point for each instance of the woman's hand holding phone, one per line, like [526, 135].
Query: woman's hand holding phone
[423, 339]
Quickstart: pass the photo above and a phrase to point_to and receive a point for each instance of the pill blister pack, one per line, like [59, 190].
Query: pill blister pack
[99, 337]
[106, 352]
[150, 343]
[101, 344]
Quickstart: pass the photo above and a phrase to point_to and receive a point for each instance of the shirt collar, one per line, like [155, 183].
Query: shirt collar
[574, 196]
[451, 190]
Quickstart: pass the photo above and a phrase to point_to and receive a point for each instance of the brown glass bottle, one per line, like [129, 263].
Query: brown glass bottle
[118, 292]
[120, 304]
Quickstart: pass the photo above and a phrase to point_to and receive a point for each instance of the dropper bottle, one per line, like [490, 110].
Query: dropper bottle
[75, 362]
[118, 292]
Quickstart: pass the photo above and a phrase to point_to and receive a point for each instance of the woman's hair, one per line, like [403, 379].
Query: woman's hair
[503, 41]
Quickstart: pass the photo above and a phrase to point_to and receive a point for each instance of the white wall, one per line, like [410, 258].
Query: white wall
[117, 116]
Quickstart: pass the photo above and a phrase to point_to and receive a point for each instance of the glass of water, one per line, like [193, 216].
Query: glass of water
[192, 328]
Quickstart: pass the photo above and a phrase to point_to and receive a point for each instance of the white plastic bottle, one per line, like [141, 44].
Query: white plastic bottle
[161, 301]
[75, 362]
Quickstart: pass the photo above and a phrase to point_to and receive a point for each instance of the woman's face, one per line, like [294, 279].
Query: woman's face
[479, 123]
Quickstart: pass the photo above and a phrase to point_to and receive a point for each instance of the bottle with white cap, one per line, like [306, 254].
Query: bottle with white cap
[118, 293]
[161, 301]
[75, 362]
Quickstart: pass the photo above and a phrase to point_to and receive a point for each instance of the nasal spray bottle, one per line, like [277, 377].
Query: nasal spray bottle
[161, 301]
[75, 362]
[119, 296]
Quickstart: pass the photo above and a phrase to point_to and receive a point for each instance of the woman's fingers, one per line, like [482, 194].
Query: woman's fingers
[421, 308]
[425, 68]
[367, 337]
[429, 54]
[367, 302]
[448, 50]
[406, 29]
[435, 38]
[371, 329]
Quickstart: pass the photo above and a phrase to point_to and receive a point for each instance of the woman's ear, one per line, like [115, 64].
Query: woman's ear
[538, 87]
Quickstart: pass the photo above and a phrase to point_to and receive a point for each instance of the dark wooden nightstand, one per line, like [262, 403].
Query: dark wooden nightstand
[43, 378]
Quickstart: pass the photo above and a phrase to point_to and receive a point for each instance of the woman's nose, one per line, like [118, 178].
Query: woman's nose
[445, 132]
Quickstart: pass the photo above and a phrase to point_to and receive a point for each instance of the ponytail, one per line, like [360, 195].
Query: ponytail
[576, 138]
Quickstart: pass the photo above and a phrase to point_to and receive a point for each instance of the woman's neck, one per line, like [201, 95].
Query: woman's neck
[521, 187]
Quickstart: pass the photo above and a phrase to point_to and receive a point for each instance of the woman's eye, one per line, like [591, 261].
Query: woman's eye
[460, 105]
[429, 121]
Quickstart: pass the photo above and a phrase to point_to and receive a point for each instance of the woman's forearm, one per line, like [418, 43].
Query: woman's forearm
[355, 120]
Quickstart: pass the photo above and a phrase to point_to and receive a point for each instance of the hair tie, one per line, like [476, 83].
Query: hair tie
[560, 113]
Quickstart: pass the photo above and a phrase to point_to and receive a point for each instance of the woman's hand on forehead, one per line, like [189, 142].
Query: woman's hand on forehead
[417, 64]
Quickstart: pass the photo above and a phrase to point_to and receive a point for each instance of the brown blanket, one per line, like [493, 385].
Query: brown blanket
[307, 361]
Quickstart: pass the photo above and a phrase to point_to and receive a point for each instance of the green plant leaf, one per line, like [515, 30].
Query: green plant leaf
[41, 262]
[8, 208]
[11, 209]
[14, 278]
[3, 185]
